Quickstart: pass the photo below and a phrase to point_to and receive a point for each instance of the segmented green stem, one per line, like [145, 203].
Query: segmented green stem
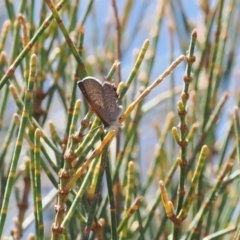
[18, 146]
[27, 48]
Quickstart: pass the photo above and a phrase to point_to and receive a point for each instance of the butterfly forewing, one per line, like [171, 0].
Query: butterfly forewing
[92, 91]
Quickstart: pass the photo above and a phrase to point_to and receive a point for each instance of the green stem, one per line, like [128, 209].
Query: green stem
[28, 47]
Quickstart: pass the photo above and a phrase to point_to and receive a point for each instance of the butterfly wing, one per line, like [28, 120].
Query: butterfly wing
[113, 111]
[92, 90]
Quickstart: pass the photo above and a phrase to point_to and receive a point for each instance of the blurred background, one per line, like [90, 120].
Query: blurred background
[168, 26]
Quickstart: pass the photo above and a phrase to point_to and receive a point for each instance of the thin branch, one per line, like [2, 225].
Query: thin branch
[118, 40]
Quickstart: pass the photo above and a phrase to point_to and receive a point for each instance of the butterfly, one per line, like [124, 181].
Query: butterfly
[102, 98]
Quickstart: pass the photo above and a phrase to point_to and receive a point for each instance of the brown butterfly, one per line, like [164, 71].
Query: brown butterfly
[103, 100]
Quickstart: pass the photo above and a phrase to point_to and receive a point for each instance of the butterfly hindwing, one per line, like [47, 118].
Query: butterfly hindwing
[110, 102]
